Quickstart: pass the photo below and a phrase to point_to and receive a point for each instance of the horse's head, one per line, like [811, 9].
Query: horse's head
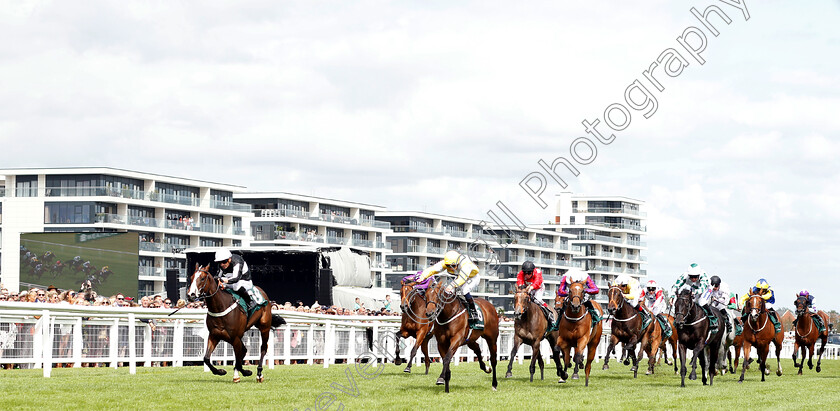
[558, 302]
[755, 306]
[616, 296]
[202, 284]
[521, 300]
[801, 305]
[405, 290]
[682, 306]
[576, 296]
[434, 304]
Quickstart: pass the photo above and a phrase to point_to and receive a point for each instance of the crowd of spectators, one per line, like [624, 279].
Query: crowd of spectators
[90, 298]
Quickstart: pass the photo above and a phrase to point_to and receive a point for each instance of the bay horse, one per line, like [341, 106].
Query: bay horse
[414, 323]
[227, 322]
[695, 333]
[451, 330]
[756, 332]
[807, 334]
[575, 330]
[627, 328]
[530, 325]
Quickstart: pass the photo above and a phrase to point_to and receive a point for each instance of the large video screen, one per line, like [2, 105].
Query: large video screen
[108, 260]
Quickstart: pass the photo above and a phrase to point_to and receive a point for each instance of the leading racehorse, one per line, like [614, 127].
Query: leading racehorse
[627, 328]
[451, 329]
[530, 326]
[695, 333]
[226, 321]
[756, 332]
[414, 323]
[575, 330]
[807, 334]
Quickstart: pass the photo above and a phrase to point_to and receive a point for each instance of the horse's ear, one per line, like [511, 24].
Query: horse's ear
[196, 267]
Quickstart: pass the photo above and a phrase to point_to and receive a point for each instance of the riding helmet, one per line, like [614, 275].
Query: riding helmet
[715, 280]
[528, 267]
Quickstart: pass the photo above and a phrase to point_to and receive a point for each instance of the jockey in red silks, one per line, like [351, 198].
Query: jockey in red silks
[532, 276]
[574, 275]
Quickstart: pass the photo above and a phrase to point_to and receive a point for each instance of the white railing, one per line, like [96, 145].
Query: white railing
[42, 335]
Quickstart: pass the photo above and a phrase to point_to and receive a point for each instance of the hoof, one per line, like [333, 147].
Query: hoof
[246, 373]
[236, 380]
[561, 381]
[626, 362]
[648, 372]
[398, 361]
[605, 367]
[260, 378]
[494, 389]
[778, 373]
[818, 368]
[221, 372]
[575, 377]
[440, 381]
[692, 377]
[407, 370]
[766, 372]
[508, 375]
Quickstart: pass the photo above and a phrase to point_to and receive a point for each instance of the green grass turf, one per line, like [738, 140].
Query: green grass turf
[298, 386]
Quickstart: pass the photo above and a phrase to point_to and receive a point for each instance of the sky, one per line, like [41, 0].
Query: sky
[445, 107]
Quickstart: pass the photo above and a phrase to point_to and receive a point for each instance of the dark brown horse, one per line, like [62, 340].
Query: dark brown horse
[451, 330]
[627, 328]
[694, 330]
[227, 322]
[756, 332]
[414, 324]
[806, 334]
[575, 330]
[530, 327]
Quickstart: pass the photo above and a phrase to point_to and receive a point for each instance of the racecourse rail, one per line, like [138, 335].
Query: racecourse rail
[82, 334]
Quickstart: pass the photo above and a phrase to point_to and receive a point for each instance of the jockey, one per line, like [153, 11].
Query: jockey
[762, 288]
[695, 277]
[533, 277]
[234, 273]
[811, 309]
[574, 275]
[631, 290]
[719, 296]
[467, 277]
[654, 299]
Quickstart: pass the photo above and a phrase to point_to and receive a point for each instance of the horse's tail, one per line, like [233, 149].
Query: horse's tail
[277, 320]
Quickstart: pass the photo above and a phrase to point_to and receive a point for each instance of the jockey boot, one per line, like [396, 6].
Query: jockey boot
[249, 302]
[666, 327]
[592, 312]
[713, 320]
[819, 322]
[726, 319]
[645, 317]
[472, 319]
[774, 318]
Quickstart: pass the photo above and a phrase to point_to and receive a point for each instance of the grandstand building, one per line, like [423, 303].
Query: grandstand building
[169, 214]
[608, 230]
[285, 219]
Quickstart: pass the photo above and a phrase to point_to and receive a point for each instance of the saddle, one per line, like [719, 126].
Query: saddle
[476, 322]
[259, 302]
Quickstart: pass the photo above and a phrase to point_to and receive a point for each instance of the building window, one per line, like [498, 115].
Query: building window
[177, 194]
[26, 186]
[210, 242]
[68, 213]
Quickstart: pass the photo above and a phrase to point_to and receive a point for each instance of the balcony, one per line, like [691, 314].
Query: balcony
[151, 272]
[337, 240]
[412, 229]
[282, 212]
[229, 205]
[212, 228]
[362, 243]
[617, 210]
[159, 247]
[594, 237]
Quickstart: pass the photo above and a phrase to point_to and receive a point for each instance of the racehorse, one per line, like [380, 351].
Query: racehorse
[627, 328]
[695, 333]
[673, 340]
[726, 341]
[452, 331]
[575, 330]
[757, 333]
[807, 334]
[530, 326]
[414, 324]
[227, 322]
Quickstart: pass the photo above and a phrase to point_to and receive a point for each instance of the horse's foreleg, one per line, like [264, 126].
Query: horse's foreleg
[450, 353]
[535, 352]
[683, 369]
[796, 351]
[491, 347]
[555, 353]
[566, 350]
[211, 345]
[696, 352]
[397, 359]
[704, 365]
[239, 351]
[443, 349]
[810, 356]
[541, 362]
[516, 342]
[778, 340]
[820, 352]
[763, 351]
[479, 357]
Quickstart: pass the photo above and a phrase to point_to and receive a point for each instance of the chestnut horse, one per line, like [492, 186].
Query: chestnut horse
[414, 324]
[227, 322]
[756, 332]
[673, 340]
[627, 328]
[807, 334]
[451, 330]
[694, 332]
[530, 327]
[575, 330]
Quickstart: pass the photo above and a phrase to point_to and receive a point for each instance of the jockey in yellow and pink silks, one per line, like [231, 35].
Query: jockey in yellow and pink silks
[466, 279]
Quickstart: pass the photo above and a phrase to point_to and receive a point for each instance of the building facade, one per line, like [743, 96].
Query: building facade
[169, 214]
[609, 231]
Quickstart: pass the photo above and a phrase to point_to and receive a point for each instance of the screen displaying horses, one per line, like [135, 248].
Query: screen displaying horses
[108, 260]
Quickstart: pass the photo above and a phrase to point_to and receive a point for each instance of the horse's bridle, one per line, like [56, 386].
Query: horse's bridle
[618, 305]
[688, 307]
[202, 295]
[762, 308]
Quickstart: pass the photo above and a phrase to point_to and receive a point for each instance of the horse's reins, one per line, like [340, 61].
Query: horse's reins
[619, 307]
[762, 327]
[810, 326]
[204, 296]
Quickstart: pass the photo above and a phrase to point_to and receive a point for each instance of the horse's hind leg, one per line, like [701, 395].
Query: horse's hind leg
[810, 356]
[263, 349]
[778, 345]
[477, 350]
[795, 352]
[820, 352]
[211, 345]
[425, 347]
[610, 349]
